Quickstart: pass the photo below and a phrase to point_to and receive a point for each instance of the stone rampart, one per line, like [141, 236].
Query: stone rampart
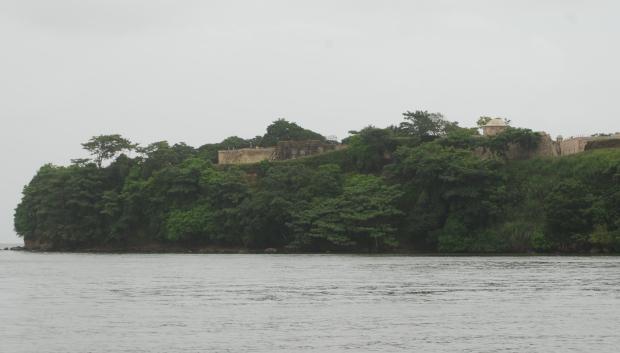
[285, 150]
[581, 144]
[296, 149]
[246, 155]
[546, 147]
[573, 145]
[549, 148]
[603, 143]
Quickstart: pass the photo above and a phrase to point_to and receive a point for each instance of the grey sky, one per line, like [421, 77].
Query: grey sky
[199, 71]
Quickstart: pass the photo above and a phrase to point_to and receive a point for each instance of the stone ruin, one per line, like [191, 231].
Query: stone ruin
[547, 147]
[494, 127]
[283, 151]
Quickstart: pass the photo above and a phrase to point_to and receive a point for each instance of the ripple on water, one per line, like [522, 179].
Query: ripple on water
[74, 303]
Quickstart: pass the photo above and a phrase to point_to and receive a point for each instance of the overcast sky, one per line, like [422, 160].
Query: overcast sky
[199, 71]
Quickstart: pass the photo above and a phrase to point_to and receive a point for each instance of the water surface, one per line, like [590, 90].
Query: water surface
[78, 303]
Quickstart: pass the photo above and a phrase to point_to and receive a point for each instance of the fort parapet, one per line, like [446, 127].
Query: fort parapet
[246, 155]
[547, 147]
[581, 144]
[296, 149]
[283, 151]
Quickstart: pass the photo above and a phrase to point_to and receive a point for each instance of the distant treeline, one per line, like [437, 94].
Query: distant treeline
[422, 185]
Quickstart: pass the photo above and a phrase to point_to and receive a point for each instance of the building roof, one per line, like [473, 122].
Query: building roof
[496, 122]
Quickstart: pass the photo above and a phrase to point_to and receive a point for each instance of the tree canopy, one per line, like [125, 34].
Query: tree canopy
[105, 147]
[283, 130]
[424, 185]
[426, 125]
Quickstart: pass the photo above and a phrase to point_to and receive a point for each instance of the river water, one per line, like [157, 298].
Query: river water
[79, 303]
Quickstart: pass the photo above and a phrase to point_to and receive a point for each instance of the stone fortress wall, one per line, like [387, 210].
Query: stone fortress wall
[612, 142]
[246, 155]
[547, 147]
[283, 151]
[582, 144]
[296, 149]
[572, 145]
[566, 147]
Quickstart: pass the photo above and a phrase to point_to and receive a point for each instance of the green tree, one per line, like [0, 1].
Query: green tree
[105, 147]
[425, 125]
[361, 217]
[483, 120]
[196, 223]
[444, 184]
[282, 130]
[371, 148]
[234, 142]
[568, 213]
[63, 206]
[501, 143]
[466, 139]
[424, 187]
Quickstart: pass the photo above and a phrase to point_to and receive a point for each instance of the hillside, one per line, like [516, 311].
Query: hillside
[426, 185]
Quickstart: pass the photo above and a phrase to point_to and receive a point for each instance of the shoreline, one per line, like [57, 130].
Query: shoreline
[243, 251]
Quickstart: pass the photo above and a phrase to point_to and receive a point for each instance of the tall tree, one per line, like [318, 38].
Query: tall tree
[568, 212]
[105, 147]
[371, 148]
[283, 130]
[362, 216]
[483, 120]
[426, 125]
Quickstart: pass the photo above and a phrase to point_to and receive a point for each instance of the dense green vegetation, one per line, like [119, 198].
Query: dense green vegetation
[418, 186]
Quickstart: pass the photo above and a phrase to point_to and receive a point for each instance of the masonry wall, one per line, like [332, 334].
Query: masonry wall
[246, 155]
[603, 143]
[573, 145]
[546, 148]
[296, 149]
[493, 130]
[550, 148]
[285, 150]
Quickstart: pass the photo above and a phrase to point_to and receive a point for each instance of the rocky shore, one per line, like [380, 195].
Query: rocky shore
[13, 248]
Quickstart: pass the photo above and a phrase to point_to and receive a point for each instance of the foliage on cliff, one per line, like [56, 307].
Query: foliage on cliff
[421, 185]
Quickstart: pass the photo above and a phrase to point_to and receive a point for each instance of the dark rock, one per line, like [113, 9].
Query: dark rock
[271, 251]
